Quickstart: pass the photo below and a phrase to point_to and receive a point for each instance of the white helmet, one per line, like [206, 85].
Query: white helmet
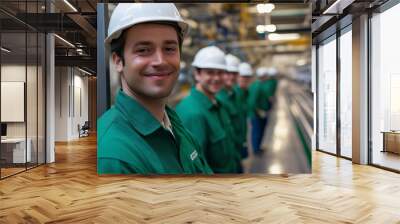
[245, 69]
[272, 71]
[232, 63]
[261, 71]
[210, 57]
[126, 15]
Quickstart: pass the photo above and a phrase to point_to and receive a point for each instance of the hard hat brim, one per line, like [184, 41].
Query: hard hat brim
[232, 69]
[210, 66]
[182, 25]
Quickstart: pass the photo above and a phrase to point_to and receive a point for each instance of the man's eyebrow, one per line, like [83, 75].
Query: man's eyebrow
[171, 42]
[142, 43]
[150, 43]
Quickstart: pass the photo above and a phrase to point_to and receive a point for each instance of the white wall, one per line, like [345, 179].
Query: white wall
[61, 103]
[15, 72]
[80, 100]
[71, 93]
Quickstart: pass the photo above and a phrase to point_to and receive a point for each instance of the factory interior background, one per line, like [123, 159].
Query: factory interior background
[331, 148]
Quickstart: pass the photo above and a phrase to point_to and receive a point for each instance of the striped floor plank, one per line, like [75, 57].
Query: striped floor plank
[69, 191]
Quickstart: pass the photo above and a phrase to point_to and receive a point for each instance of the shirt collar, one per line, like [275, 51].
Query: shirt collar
[140, 118]
[166, 123]
[203, 99]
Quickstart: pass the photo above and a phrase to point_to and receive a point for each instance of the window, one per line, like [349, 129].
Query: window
[327, 96]
[22, 77]
[346, 93]
[385, 88]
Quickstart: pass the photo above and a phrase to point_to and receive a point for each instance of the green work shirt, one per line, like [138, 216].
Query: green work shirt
[228, 100]
[132, 140]
[270, 87]
[243, 111]
[259, 93]
[274, 85]
[209, 124]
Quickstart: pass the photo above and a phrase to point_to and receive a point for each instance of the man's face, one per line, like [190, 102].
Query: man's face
[152, 57]
[244, 81]
[209, 80]
[263, 78]
[229, 79]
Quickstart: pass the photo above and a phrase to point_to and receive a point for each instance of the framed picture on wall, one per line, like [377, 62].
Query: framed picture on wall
[12, 101]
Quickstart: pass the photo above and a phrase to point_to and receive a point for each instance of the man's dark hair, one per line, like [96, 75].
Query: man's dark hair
[117, 45]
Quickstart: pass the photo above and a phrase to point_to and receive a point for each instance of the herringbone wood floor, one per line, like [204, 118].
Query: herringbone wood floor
[70, 191]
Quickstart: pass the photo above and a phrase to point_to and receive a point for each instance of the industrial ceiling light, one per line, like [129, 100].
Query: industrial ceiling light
[301, 62]
[265, 8]
[70, 5]
[65, 41]
[285, 36]
[269, 7]
[260, 8]
[260, 29]
[266, 28]
[5, 50]
[270, 28]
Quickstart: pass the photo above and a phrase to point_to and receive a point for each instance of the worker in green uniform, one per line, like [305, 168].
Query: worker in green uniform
[269, 85]
[245, 78]
[260, 93]
[273, 81]
[140, 134]
[229, 100]
[202, 114]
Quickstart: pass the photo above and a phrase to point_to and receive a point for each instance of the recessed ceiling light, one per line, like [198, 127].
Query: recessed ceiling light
[84, 71]
[5, 50]
[65, 41]
[70, 5]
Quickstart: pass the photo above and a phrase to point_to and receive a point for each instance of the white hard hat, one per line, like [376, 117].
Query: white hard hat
[126, 15]
[232, 63]
[261, 71]
[210, 57]
[272, 71]
[245, 69]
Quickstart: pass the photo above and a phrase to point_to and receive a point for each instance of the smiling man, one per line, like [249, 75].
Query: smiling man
[230, 101]
[140, 134]
[202, 113]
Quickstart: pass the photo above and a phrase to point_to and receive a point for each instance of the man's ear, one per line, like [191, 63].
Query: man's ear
[118, 62]
[197, 74]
